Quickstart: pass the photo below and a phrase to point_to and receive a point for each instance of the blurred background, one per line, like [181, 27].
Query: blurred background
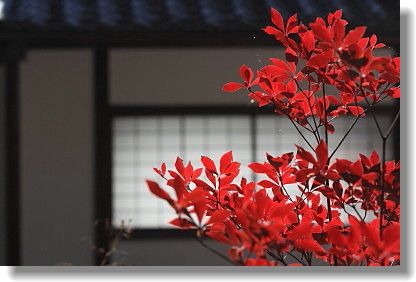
[94, 93]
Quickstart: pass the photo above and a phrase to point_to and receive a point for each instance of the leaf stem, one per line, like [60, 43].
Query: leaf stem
[328, 199]
[382, 187]
[314, 131]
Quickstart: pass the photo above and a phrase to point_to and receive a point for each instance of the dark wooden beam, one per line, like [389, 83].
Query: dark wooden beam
[12, 168]
[102, 123]
[67, 37]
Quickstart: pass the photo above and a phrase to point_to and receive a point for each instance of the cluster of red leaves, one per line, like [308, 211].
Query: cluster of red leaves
[323, 54]
[263, 224]
[305, 207]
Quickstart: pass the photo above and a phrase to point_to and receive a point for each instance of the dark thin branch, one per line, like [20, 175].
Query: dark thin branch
[393, 124]
[294, 124]
[214, 251]
[345, 136]
[356, 211]
[325, 114]
[310, 106]
[352, 126]
[301, 134]
[384, 138]
[282, 260]
[296, 258]
[383, 161]
[275, 257]
[315, 132]
[328, 200]
[373, 114]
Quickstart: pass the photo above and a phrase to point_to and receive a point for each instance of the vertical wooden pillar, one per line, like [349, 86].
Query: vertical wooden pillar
[12, 167]
[103, 177]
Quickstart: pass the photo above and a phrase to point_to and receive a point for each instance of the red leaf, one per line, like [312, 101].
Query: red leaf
[371, 176]
[322, 153]
[159, 192]
[196, 195]
[276, 72]
[180, 168]
[303, 229]
[347, 98]
[246, 73]
[338, 14]
[291, 55]
[218, 215]
[277, 19]
[332, 100]
[163, 169]
[373, 40]
[203, 184]
[266, 184]
[396, 62]
[181, 223]
[321, 32]
[309, 245]
[356, 110]
[196, 173]
[291, 25]
[375, 159]
[339, 31]
[392, 234]
[258, 168]
[178, 185]
[208, 164]
[320, 60]
[271, 30]
[356, 168]
[261, 98]
[232, 87]
[200, 208]
[308, 40]
[225, 161]
[288, 178]
[394, 92]
[281, 65]
[354, 35]
[305, 155]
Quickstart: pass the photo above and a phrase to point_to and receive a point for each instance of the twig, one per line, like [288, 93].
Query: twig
[328, 199]
[393, 124]
[294, 124]
[296, 258]
[352, 126]
[310, 108]
[301, 134]
[214, 251]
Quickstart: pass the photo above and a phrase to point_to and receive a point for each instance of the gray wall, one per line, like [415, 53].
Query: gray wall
[185, 76]
[167, 251]
[56, 157]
